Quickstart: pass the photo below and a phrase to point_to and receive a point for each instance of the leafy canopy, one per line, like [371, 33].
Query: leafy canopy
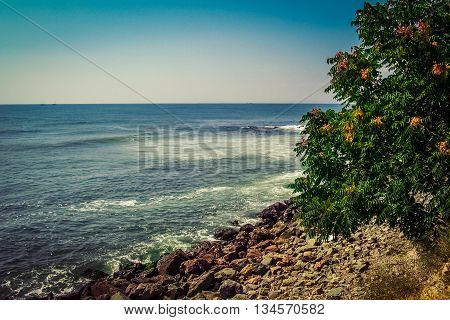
[386, 154]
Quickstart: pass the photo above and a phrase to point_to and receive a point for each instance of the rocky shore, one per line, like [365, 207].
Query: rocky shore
[273, 259]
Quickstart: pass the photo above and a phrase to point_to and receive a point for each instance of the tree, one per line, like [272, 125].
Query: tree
[385, 156]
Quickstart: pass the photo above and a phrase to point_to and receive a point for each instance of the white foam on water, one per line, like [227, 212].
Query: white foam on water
[101, 205]
[299, 128]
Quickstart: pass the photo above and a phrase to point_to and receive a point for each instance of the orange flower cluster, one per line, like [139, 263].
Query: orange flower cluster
[349, 132]
[326, 128]
[443, 148]
[404, 31]
[358, 113]
[422, 26]
[438, 69]
[364, 73]
[434, 43]
[415, 122]
[343, 64]
[315, 112]
[378, 121]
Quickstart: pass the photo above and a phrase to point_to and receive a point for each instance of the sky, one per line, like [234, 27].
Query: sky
[171, 51]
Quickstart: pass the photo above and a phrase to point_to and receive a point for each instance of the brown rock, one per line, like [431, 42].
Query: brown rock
[320, 264]
[226, 273]
[226, 234]
[201, 283]
[145, 291]
[272, 248]
[170, 264]
[194, 266]
[119, 296]
[254, 254]
[254, 280]
[229, 289]
[100, 288]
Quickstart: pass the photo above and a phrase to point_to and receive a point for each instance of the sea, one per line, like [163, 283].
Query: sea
[95, 186]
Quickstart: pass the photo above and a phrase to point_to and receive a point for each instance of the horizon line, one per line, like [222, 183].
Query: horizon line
[156, 104]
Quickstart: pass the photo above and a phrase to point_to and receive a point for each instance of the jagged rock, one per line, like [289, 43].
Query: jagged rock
[226, 234]
[256, 269]
[238, 264]
[201, 283]
[194, 266]
[120, 284]
[247, 228]
[226, 273]
[307, 256]
[144, 291]
[240, 296]
[162, 279]
[259, 235]
[279, 227]
[229, 289]
[254, 254]
[267, 260]
[119, 296]
[312, 242]
[175, 291]
[254, 280]
[320, 264]
[335, 293]
[307, 247]
[362, 267]
[124, 274]
[101, 288]
[170, 264]
[235, 223]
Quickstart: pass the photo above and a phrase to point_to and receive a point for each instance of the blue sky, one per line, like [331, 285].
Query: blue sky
[171, 51]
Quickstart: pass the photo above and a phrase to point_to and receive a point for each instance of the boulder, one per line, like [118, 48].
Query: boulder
[307, 247]
[144, 291]
[101, 288]
[162, 279]
[247, 228]
[175, 291]
[229, 289]
[335, 293]
[201, 283]
[254, 254]
[267, 260]
[226, 234]
[170, 264]
[253, 269]
[226, 273]
[362, 267]
[119, 296]
[194, 266]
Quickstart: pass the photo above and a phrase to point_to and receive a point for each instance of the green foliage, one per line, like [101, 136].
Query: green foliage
[386, 154]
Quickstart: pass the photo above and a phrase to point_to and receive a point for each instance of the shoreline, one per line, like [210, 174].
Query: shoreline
[273, 259]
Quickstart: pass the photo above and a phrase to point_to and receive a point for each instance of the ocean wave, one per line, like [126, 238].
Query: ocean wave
[42, 281]
[287, 127]
[298, 128]
[74, 143]
[101, 205]
[99, 140]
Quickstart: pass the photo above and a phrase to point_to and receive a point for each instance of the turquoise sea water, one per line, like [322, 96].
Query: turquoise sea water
[93, 185]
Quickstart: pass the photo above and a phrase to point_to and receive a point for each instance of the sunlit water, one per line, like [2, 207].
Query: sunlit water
[91, 186]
